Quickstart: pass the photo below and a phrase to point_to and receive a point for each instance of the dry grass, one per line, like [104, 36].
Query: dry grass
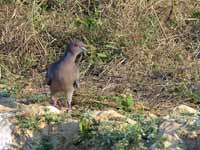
[148, 48]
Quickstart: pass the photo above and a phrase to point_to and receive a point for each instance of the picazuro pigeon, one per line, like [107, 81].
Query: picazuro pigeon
[63, 74]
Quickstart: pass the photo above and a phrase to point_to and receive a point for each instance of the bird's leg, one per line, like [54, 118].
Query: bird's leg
[69, 99]
[76, 84]
[53, 101]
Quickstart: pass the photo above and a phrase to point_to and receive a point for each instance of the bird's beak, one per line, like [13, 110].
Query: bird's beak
[83, 50]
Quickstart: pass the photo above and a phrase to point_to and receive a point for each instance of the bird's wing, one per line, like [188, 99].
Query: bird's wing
[49, 74]
[48, 80]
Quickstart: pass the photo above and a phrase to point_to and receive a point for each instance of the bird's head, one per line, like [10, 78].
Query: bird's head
[77, 47]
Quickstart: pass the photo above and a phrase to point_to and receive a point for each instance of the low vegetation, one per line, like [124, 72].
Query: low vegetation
[150, 47]
[116, 135]
[33, 122]
[139, 51]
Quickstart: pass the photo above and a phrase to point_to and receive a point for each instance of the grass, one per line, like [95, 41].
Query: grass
[149, 48]
[52, 118]
[113, 134]
[32, 122]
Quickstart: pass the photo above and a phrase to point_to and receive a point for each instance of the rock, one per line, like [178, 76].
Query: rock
[4, 109]
[63, 135]
[5, 131]
[60, 136]
[168, 131]
[101, 116]
[183, 109]
[33, 109]
[7, 110]
[180, 129]
[152, 116]
[8, 102]
[36, 109]
[52, 109]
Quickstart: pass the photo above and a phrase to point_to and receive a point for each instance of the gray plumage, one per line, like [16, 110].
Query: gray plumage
[63, 74]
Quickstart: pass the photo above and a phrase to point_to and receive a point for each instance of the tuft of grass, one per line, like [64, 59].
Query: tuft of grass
[185, 89]
[114, 135]
[36, 98]
[51, 118]
[125, 102]
[149, 29]
[125, 39]
[85, 124]
[30, 122]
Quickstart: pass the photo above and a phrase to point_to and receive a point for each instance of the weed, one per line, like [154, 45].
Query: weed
[124, 39]
[124, 102]
[196, 14]
[173, 24]
[30, 122]
[184, 90]
[149, 27]
[52, 118]
[114, 135]
[36, 98]
[85, 124]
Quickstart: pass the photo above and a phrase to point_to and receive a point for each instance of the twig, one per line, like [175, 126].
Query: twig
[45, 52]
[161, 27]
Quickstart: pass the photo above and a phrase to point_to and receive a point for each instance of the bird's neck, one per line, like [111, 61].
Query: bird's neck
[70, 56]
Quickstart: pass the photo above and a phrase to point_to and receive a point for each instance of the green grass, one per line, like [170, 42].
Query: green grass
[185, 90]
[133, 33]
[116, 135]
[133, 45]
[52, 118]
[39, 98]
[30, 122]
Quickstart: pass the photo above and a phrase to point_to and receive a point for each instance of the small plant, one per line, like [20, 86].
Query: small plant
[60, 2]
[92, 21]
[185, 90]
[173, 24]
[125, 102]
[149, 29]
[113, 134]
[30, 122]
[52, 118]
[196, 13]
[85, 124]
[37, 98]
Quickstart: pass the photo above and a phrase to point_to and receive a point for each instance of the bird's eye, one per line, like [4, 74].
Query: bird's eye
[76, 45]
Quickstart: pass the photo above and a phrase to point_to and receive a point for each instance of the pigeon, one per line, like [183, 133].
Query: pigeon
[63, 74]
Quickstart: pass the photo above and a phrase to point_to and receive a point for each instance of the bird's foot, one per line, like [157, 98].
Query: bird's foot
[55, 103]
[76, 84]
[69, 108]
